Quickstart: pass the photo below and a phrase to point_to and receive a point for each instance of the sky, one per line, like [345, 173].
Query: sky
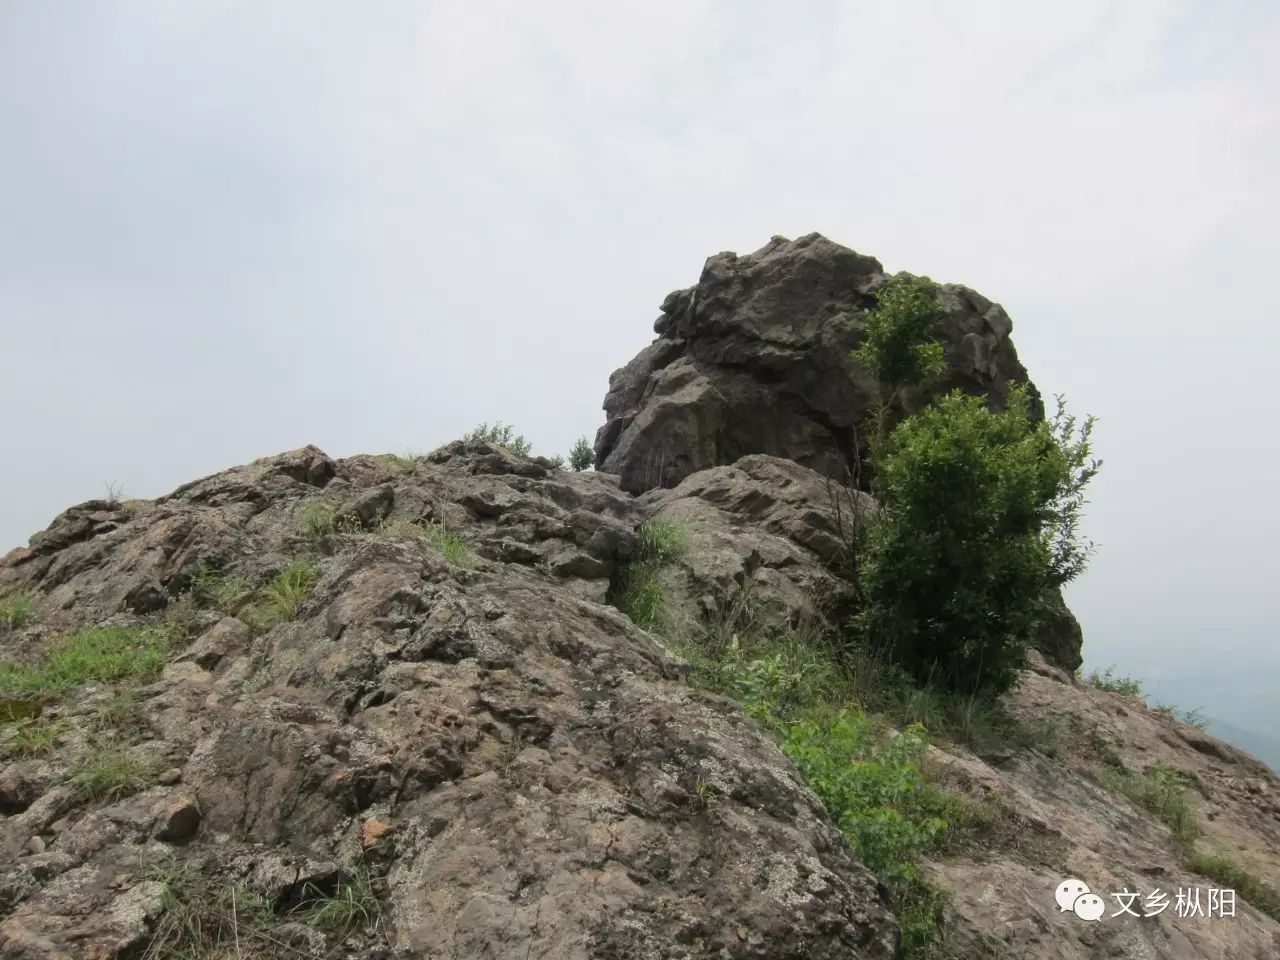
[229, 229]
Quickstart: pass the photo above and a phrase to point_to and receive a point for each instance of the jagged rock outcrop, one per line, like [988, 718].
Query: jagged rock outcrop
[520, 768]
[400, 681]
[755, 359]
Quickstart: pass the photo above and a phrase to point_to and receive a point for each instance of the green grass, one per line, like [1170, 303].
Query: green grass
[109, 774]
[281, 599]
[1162, 791]
[17, 609]
[405, 460]
[213, 589]
[101, 654]
[204, 920]
[121, 712]
[446, 541]
[1232, 876]
[637, 589]
[33, 738]
[869, 777]
[350, 907]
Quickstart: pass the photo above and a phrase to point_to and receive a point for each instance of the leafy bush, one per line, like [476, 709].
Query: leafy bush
[898, 345]
[17, 609]
[502, 435]
[1109, 681]
[979, 525]
[581, 455]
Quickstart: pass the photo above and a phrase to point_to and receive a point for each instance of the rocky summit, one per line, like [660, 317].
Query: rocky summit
[388, 707]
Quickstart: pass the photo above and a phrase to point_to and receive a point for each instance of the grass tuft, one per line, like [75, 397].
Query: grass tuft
[1161, 790]
[33, 738]
[1232, 876]
[447, 542]
[17, 609]
[93, 654]
[350, 907]
[204, 921]
[109, 774]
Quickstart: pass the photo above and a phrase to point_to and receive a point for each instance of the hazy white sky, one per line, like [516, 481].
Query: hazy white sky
[232, 228]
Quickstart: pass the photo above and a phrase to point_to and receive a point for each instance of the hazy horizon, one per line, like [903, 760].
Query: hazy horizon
[231, 230]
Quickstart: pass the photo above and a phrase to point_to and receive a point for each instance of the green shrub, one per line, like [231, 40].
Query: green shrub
[898, 345]
[581, 455]
[17, 609]
[1232, 876]
[1109, 681]
[93, 654]
[502, 435]
[979, 525]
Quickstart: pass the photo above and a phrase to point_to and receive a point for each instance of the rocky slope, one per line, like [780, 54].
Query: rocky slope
[376, 707]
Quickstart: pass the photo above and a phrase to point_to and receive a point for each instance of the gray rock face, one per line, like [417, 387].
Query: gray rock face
[755, 359]
[519, 768]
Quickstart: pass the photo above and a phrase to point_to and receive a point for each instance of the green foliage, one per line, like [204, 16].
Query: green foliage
[637, 590]
[870, 779]
[979, 525]
[1232, 876]
[447, 542]
[899, 346]
[289, 590]
[581, 455]
[502, 435]
[17, 609]
[1163, 791]
[92, 654]
[350, 907]
[108, 774]
[662, 541]
[211, 588]
[1111, 682]
[33, 737]
[557, 462]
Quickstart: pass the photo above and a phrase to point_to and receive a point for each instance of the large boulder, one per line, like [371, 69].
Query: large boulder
[755, 359]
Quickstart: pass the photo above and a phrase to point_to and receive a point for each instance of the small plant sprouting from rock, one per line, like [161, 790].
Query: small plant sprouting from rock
[351, 906]
[501, 435]
[17, 609]
[637, 590]
[447, 542]
[204, 919]
[581, 455]
[289, 590]
[33, 737]
[108, 773]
